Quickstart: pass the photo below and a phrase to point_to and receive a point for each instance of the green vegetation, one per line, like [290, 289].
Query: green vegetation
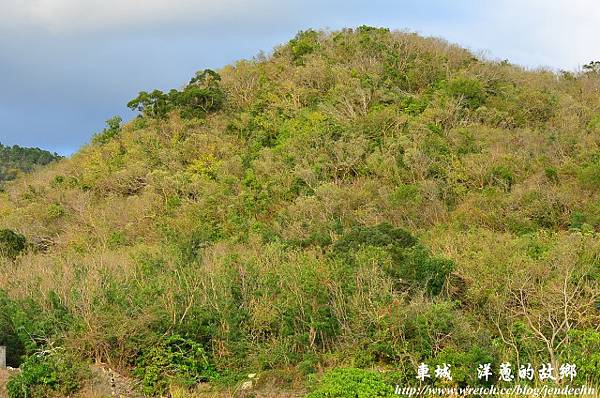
[330, 215]
[173, 359]
[47, 374]
[15, 160]
[202, 95]
[11, 243]
[353, 383]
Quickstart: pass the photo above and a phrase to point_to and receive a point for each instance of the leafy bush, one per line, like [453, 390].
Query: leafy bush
[27, 325]
[594, 122]
[352, 383]
[463, 362]
[380, 235]
[304, 43]
[11, 243]
[470, 91]
[45, 374]
[422, 328]
[551, 174]
[412, 263]
[501, 176]
[584, 350]
[9, 334]
[589, 174]
[174, 360]
[113, 128]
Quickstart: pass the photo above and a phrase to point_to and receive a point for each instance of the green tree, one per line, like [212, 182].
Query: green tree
[11, 243]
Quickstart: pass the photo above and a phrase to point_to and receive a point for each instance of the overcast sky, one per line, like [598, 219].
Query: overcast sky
[68, 65]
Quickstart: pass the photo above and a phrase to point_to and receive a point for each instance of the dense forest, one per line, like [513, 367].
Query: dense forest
[15, 159]
[316, 222]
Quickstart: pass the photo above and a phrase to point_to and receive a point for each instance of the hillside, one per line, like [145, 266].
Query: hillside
[357, 200]
[15, 159]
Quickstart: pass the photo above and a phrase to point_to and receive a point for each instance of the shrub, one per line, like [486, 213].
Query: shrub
[584, 351]
[501, 176]
[113, 128]
[594, 122]
[55, 211]
[173, 360]
[425, 327]
[414, 105]
[45, 374]
[406, 195]
[9, 335]
[463, 362]
[11, 243]
[352, 383]
[468, 90]
[381, 235]
[304, 43]
[26, 325]
[589, 175]
[412, 263]
[551, 174]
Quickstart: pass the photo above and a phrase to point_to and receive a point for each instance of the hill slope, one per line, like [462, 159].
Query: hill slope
[361, 198]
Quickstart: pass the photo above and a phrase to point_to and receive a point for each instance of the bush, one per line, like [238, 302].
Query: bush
[381, 235]
[463, 362]
[584, 351]
[589, 175]
[9, 335]
[500, 176]
[44, 374]
[113, 128]
[174, 360]
[352, 383]
[425, 327]
[11, 243]
[551, 174]
[468, 90]
[412, 263]
[304, 43]
[26, 325]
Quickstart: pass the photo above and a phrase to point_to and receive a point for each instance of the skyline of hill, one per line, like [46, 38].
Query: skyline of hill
[327, 217]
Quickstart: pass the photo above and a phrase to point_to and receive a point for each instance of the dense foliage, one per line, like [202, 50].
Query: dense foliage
[11, 243]
[202, 95]
[173, 359]
[353, 383]
[47, 374]
[15, 159]
[358, 199]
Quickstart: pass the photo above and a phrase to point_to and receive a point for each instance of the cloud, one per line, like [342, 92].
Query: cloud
[559, 33]
[68, 16]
